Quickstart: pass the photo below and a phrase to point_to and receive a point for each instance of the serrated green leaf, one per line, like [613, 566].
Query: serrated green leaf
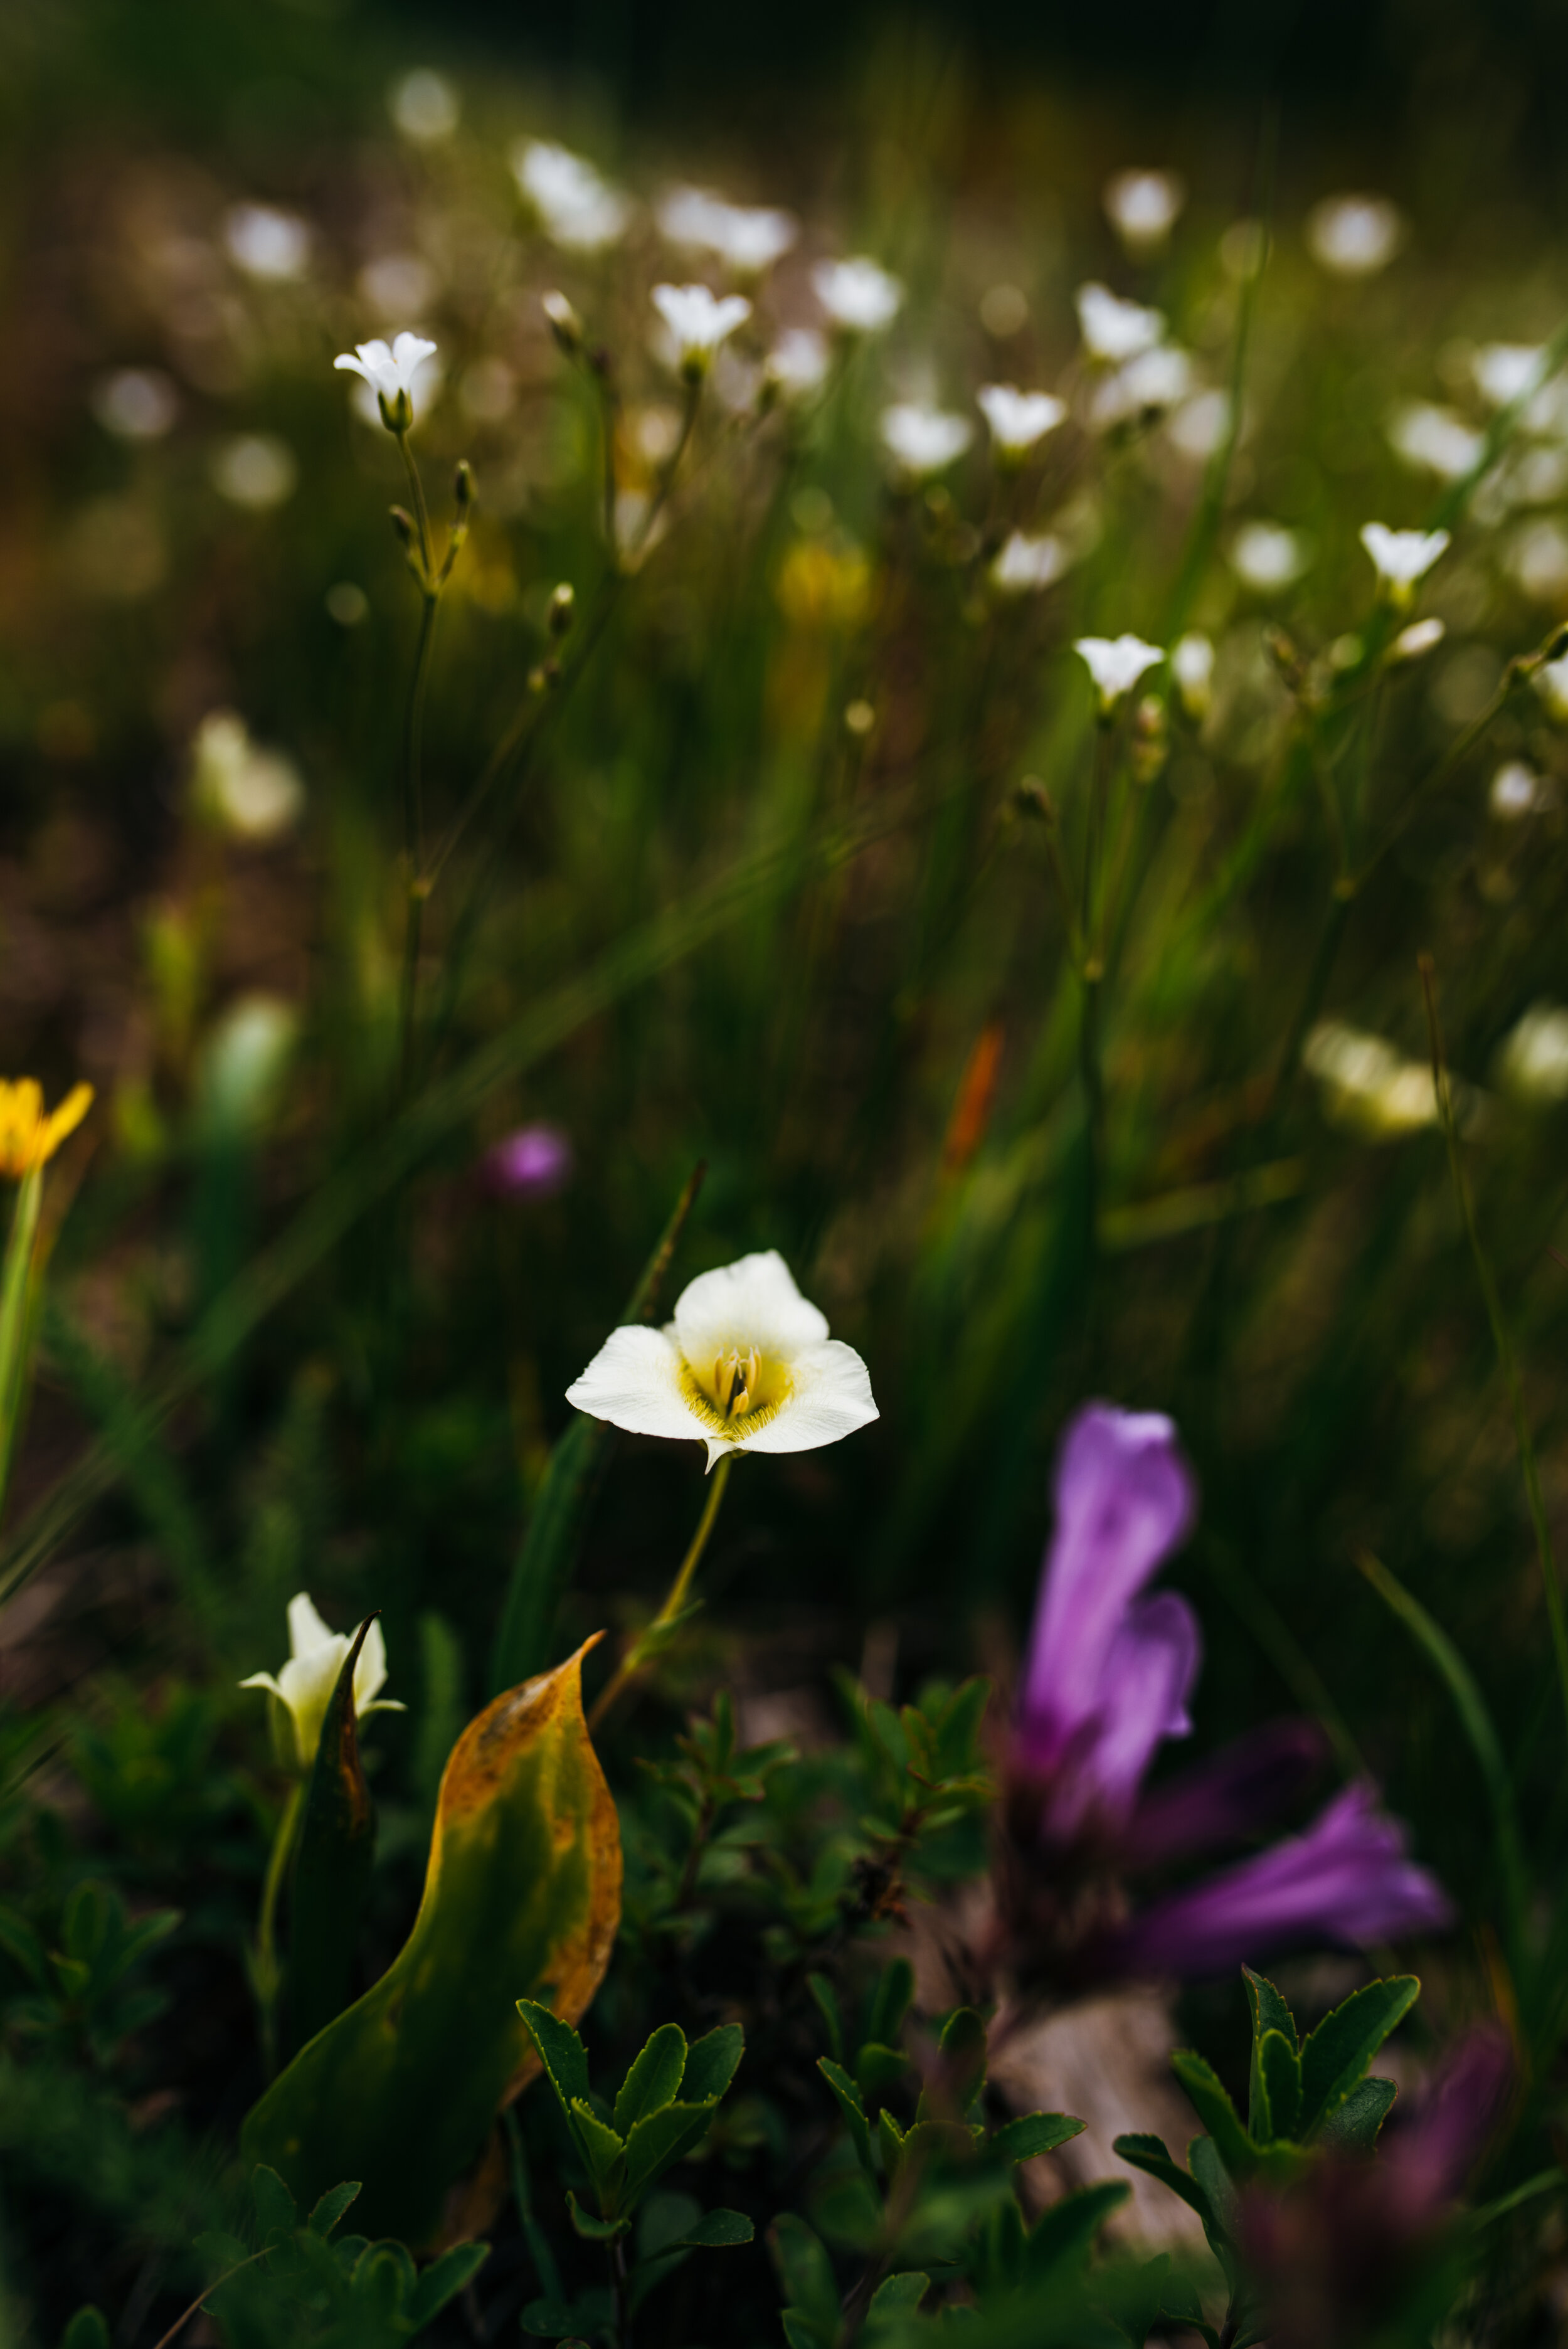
[1269, 2011]
[276, 2211]
[891, 2139]
[1212, 2101]
[653, 2079]
[1335, 2059]
[1352, 2125]
[443, 2280]
[657, 2143]
[718, 2230]
[592, 2230]
[898, 2295]
[711, 2064]
[522, 1895]
[332, 2206]
[560, 2051]
[1063, 2236]
[805, 2272]
[851, 2106]
[1278, 2084]
[1033, 2134]
[603, 2151]
[332, 1864]
[1204, 2161]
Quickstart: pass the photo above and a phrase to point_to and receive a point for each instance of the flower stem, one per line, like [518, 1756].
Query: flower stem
[267, 1970]
[17, 1294]
[649, 1641]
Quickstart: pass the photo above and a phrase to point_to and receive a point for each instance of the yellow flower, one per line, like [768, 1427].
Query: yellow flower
[26, 1136]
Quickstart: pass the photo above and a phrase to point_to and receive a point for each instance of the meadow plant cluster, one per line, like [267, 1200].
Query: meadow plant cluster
[779, 1394]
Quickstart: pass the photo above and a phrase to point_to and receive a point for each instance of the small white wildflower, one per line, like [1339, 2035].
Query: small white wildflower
[749, 237]
[924, 440]
[1533, 1059]
[266, 243]
[1193, 667]
[1368, 1084]
[1402, 558]
[390, 372]
[1552, 684]
[1114, 331]
[305, 1683]
[1354, 236]
[1198, 426]
[575, 208]
[136, 404]
[1151, 382]
[798, 362]
[746, 1365]
[1411, 644]
[859, 296]
[253, 792]
[1144, 207]
[1266, 557]
[698, 322]
[1024, 565]
[255, 469]
[1515, 792]
[424, 105]
[1018, 420]
[1435, 441]
[1536, 560]
[1505, 372]
[1116, 664]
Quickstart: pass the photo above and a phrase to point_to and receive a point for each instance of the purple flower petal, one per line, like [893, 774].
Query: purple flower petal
[1149, 1676]
[531, 1164]
[1348, 1878]
[1237, 1790]
[1431, 2153]
[1125, 1499]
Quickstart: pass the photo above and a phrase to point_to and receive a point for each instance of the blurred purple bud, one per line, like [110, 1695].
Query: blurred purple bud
[534, 1163]
[1429, 2155]
[1245, 1786]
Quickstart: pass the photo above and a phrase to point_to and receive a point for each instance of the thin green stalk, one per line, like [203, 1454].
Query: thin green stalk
[538, 2241]
[15, 1314]
[648, 1642]
[421, 511]
[268, 1971]
[1507, 1360]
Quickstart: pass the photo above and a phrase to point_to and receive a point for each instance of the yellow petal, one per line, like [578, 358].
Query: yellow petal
[64, 1120]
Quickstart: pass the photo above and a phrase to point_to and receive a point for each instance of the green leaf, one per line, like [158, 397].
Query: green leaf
[805, 2273]
[1213, 2107]
[1149, 2153]
[276, 2211]
[898, 2295]
[1276, 2086]
[878, 2069]
[893, 1997]
[1204, 2161]
[560, 2051]
[443, 2280]
[851, 2106]
[385, 2279]
[1033, 2134]
[1269, 2011]
[1352, 2125]
[655, 2079]
[718, 2230]
[961, 2074]
[657, 2143]
[332, 1866]
[552, 1540]
[801, 2334]
[603, 2151]
[711, 2064]
[958, 1728]
[1335, 2057]
[827, 2006]
[891, 2139]
[522, 1894]
[1063, 2236]
[592, 2230]
[332, 2206]
[87, 2328]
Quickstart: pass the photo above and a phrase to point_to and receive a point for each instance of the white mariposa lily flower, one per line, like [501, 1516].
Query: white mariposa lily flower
[747, 1365]
[859, 296]
[1024, 564]
[1116, 664]
[1113, 330]
[306, 1682]
[390, 371]
[1017, 419]
[1402, 557]
[699, 321]
[924, 441]
[577, 208]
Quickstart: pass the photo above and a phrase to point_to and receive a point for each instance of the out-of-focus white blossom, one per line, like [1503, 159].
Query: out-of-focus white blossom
[798, 362]
[1114, 331]
[1402, 558]
[859, 296]
[267, 243]
[1412, 644]
[1368, 1084]
[1505, 372]
[391, 370]
[1515, 792]
[1024, 564]
[254, 470]
[1145, 386]
[1536, 559]
[1116, 664]
[1266, 557]
[749, 238]
[699, 321]
[1144, 207]
[1435, 441]
[575, 208]
[398, 285]
[424, 105]
[1552, 684]
[1198, 426]
[1193, 667]
[1017, 419]
[1532, 1059]
[136, 404]
[924, 441]
[253, 792]
[1354, 236]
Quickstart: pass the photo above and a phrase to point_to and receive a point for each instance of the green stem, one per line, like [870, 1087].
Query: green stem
[268, 1973]
[675, 1599]
[421, 511]
[1508, 1362]
[15, 1314]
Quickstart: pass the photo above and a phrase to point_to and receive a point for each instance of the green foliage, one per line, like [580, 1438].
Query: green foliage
[78, 1992]
[332, 1864]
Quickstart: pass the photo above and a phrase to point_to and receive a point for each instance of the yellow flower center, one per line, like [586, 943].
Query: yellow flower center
[738, 1391]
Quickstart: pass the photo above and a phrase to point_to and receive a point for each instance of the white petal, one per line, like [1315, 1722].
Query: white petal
[380, 1705]
[347, 359]
[635, 1381]
[261, 1680]
[306, 1630]
[830, 1397]
[754, 1302]
[370, 1671]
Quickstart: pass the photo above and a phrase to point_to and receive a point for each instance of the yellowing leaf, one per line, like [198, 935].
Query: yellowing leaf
[522, 1899]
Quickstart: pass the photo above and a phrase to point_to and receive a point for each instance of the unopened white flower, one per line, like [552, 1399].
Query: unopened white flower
[1354, 236]
[306, 1682]
[1266, 557]
[750, 237]
[1533, 1059]
[1515, 792]
[859, 296]
[1116, 664]
[1193, 667]
[1435, 439]
[747, 1365]
[699, 321]
[1401, 558]
[1422, 636]
[1024, 565]
[798, 362]
[924, 440]
[1018, 420]
[1144, 207]
[1144, 387]
[1113, 330]
[574, 206]
[390, 371]
[1552, 684]
[266, 243]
